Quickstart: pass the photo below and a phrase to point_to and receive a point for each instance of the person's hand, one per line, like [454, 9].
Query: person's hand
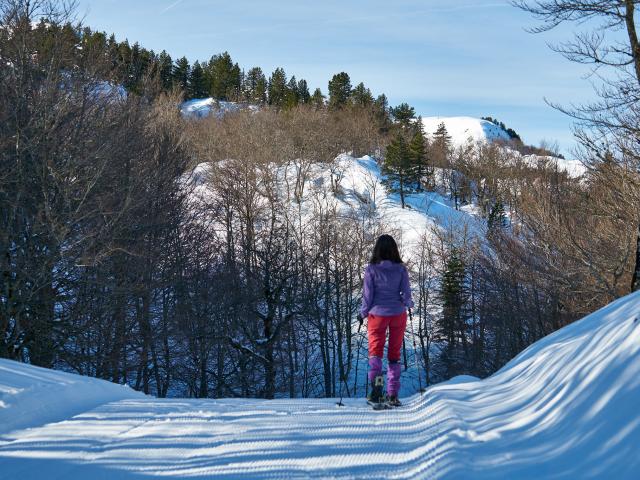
[360, 319]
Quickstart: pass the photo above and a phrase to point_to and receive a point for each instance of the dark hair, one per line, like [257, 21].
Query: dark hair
[386, 248]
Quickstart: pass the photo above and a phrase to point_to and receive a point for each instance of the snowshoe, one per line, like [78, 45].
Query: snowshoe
[376, 398]
[378, 406]
[393, 401]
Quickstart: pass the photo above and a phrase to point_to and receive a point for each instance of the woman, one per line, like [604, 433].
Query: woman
[385, 298]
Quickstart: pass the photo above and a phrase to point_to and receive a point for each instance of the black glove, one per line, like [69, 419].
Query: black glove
[360, 319]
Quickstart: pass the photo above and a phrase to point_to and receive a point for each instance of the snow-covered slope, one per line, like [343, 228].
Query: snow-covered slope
[465, 129]
[361, 179]
[567, 407]
[361, 192]
[31, 396]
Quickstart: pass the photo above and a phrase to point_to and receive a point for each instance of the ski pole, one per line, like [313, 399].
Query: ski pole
[358, 349]
[415, 352]
[342, 379]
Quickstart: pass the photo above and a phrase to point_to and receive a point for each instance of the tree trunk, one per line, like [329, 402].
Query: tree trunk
[269, 368]
[220, 371]
[635, 282]
[633, 36]
[292, 367]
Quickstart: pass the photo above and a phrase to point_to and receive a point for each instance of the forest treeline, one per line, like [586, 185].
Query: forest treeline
[192, 257]
[219, 77]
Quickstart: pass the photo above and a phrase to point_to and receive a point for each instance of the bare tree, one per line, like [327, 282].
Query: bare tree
[607, 129]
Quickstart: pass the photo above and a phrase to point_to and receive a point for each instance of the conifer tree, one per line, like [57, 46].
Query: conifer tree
[277, 90]
[339, 90]
[381, 109]
[165, 68]
[136, 68]
[180, 73]
[224, 77]
[292, 93]
[112, 53]
[398, 168]
[419, 158]
[441, 146]
[255, 86]
[124, 54]
[404, 114]
[197, 83]
[497, 218]
[91, 41]
[303, 92]
[361, 96]
[317, 99]
[452, 322]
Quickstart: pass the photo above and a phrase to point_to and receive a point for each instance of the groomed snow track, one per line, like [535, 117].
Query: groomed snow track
[237, 439]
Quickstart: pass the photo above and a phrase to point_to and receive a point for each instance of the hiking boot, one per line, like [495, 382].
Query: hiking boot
[392, 401]
[376, 395]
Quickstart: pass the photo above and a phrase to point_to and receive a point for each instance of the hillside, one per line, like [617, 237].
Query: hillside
[362, 193]
[564, 408]
[462, 130]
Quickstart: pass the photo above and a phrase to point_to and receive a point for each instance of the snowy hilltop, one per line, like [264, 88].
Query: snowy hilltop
[563, 408]
[466, 129]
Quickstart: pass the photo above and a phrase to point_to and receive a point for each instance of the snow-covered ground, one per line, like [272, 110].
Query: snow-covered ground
[574, 168]
[203, 107]
[567, 407]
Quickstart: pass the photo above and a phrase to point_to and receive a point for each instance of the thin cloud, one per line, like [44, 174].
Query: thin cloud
[174, 4]
[315, 22]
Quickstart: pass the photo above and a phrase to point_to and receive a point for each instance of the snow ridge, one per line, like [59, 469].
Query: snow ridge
[32, 396]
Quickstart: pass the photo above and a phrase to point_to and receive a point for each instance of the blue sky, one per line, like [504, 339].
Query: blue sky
[444, 57]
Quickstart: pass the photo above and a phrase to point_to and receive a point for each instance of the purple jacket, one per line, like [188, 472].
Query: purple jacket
[386, 289]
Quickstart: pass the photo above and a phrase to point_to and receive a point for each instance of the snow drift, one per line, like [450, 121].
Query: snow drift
[32, 396]
[564, 408]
